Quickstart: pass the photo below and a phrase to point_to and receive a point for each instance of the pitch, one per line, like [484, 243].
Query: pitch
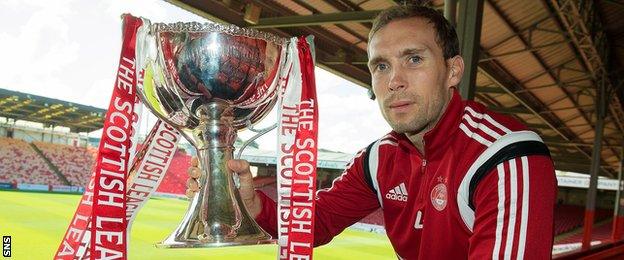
[37, 221]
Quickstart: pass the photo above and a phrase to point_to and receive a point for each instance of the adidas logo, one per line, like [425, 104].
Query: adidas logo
[399, 193]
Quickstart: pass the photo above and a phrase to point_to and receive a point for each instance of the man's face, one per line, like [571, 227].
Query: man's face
[409, 74]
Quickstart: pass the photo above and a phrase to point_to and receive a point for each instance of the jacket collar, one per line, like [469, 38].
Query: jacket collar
[438, 138]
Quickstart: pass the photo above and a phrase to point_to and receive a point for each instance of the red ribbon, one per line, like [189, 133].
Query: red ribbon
[108, 227]
[301, 224]
[101, 214]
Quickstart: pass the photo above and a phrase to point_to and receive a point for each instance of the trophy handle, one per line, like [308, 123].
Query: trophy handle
[259, 132]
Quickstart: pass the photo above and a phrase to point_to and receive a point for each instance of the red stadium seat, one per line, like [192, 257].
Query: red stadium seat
[20, 163]
[75, 163]
[176, 177]
[570, 217]
[600, 232]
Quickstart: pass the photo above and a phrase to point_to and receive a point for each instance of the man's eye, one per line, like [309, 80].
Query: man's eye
[382, 66]
[415, 59]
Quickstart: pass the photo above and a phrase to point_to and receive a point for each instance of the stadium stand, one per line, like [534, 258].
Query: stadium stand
[75, 163]
[600, 232]
[176, 177]
[567, 218]
[19, 163]
[570, 217]
[375, 218]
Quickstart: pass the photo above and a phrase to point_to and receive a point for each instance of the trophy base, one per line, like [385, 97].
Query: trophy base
[199, 244]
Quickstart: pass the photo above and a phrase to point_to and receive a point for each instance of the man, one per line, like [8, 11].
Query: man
[454, 180]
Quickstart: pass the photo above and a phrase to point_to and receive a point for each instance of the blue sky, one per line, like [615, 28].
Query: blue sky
[69, 50]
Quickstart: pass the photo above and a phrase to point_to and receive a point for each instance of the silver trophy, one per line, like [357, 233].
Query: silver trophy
[210, 81]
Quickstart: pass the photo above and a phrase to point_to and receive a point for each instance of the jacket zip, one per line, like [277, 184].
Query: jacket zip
[423, 177]
[424, 158]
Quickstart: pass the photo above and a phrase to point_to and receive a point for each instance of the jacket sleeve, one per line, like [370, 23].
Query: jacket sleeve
[514, 207]
[348, 200]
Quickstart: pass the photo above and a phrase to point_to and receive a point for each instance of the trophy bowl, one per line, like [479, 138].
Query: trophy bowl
[210, 81]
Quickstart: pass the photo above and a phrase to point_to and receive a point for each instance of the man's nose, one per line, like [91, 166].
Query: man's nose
[397, 80]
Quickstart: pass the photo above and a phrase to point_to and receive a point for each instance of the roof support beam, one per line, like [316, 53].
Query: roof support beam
[341, 8]
[527, 49]
[614, 2]
[590, 42]
[450, 11]
[469, 31]
[220, 11]
[345, 5]
[316, 19]
[618, 209]
[590, 206]
[577, 125]
[490, 89]
[345, 59]
[326, 46]
[564, 83]
[499, 76]
[568, 119]
[511, 110]
[539, 58]
[556, 141]
[530, 28]
[536, 126]
[571, 159]
[548, 70]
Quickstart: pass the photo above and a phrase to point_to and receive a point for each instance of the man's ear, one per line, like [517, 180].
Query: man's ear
[456, 71]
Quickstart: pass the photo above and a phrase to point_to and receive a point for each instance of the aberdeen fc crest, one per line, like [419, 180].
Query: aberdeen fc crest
[439, 196]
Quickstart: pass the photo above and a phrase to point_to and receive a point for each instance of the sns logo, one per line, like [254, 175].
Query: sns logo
[6, 246]
[398, 193]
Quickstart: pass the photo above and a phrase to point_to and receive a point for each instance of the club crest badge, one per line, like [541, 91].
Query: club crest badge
[439, 196]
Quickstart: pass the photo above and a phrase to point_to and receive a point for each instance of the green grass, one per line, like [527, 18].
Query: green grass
[36, 223]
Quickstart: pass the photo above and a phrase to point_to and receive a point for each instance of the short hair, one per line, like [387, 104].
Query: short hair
[446, 36]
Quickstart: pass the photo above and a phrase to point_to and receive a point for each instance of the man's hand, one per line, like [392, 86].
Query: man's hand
[240, 167]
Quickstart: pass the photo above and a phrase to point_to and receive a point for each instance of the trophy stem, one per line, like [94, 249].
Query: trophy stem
[216, 216]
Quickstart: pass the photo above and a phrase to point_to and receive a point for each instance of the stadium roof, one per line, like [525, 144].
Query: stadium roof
[50, 112]
[540, 61]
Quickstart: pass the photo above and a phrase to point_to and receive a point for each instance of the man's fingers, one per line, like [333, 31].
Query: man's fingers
[194, 161]
[193, 172]
[190, 193]
[192, 185]
[239, 166]
[251, 201]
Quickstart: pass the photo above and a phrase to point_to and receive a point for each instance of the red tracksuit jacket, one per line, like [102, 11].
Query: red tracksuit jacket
[484, 188]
